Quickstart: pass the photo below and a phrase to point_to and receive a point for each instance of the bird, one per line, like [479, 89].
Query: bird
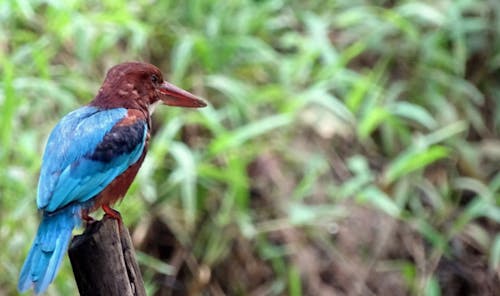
[91, 157]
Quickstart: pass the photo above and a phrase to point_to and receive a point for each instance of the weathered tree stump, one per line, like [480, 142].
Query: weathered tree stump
[103, 261]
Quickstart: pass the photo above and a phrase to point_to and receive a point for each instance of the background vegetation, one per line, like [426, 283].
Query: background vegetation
[350, 147]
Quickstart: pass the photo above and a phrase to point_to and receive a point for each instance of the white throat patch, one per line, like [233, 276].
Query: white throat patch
[152, 107]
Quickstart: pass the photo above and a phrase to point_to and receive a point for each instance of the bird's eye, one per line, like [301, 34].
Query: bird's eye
[155, 79]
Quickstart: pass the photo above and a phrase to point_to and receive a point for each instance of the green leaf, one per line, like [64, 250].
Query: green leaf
[413, 112]
[294, 282]
[444, 133]
[154, 263]
[185, 174]
[238, 137]
[495, 253]
[380, 200]
[432, 287]
[371, 120]
[181, 57]
[413, 159]
[432, 234]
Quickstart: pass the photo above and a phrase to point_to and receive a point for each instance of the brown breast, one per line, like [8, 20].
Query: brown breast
[117, 189]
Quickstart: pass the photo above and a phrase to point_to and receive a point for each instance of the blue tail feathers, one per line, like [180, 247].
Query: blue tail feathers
[48, 249]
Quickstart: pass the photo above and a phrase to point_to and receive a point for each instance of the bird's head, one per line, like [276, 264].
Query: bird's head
[136, 85]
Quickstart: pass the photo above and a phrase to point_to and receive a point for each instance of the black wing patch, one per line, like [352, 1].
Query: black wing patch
[121, 139]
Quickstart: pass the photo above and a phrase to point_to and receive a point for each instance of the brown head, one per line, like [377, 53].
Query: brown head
[135, 85]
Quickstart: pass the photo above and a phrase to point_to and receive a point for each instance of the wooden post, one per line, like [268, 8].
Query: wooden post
[103, 261]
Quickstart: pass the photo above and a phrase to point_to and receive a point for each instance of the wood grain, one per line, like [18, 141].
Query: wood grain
[103, 261]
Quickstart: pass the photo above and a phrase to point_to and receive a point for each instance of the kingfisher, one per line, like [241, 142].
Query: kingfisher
[91, 157]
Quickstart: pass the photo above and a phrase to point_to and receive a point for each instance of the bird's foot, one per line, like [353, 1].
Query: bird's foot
[111, 212]
[85, 217]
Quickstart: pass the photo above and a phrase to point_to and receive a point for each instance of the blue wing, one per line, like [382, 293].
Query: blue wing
[85, 152]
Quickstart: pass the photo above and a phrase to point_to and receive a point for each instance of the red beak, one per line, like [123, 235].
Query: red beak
[176, 96]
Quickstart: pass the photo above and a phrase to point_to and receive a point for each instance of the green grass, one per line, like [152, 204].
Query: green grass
[317, 109]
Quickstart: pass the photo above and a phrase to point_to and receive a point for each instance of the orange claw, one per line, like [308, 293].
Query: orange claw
[111, 212]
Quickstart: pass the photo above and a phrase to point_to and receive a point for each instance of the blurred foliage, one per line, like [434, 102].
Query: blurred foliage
[316, 108]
